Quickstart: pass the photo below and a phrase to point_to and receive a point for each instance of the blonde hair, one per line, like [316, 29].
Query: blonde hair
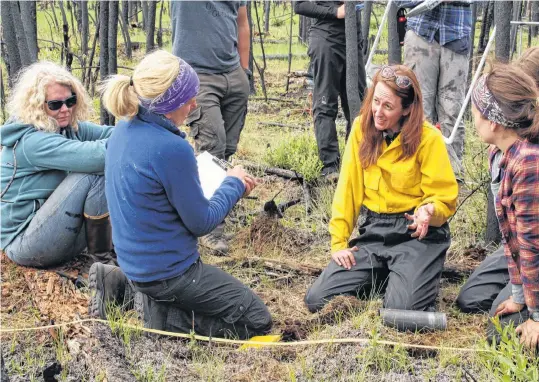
[151, 78]
[26, 103]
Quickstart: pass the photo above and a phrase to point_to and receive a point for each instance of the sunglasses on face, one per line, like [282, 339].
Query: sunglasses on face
[57, 104]
[388, 73]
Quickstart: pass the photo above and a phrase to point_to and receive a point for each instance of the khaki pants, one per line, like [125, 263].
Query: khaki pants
[442, 75]
[217, 122]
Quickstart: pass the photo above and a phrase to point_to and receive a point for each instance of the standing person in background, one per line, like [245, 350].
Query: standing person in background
[327, 49]
[213, 37]
[437, 46]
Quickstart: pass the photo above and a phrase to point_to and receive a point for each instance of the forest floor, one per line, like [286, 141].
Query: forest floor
[279, 258]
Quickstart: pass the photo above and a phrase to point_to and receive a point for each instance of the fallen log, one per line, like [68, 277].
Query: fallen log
[281, 172]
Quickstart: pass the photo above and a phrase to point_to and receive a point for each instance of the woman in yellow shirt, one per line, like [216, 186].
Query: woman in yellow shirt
[396, 173]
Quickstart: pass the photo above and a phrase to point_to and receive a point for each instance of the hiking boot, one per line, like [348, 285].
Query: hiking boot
[330, 173]
[215, 241]
[108, 286]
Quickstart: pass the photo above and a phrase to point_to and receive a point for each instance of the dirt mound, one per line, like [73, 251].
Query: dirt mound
[267, 232]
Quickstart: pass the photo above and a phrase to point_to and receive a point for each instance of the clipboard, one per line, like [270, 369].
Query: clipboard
[212, 172]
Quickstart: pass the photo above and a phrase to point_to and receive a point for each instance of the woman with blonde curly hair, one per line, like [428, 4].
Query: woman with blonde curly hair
[53, 187]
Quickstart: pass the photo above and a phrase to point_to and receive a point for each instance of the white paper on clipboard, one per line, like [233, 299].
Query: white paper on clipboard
[210, 173]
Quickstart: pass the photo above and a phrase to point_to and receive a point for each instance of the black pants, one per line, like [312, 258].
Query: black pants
[388, 261]
[206, 299]
[485, 283]
[329, 66]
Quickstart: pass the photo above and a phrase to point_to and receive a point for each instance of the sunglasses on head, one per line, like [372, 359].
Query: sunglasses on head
[57, 104]
[388, 73]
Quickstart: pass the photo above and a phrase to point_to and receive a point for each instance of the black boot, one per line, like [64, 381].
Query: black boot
[99, 239]
[108, 286]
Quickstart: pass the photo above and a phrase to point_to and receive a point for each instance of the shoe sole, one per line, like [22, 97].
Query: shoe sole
[95, 308]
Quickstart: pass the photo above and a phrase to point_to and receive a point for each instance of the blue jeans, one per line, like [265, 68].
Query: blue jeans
[57, 232]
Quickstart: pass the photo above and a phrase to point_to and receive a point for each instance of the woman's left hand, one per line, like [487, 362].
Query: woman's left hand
[529, 334]
[421, 220]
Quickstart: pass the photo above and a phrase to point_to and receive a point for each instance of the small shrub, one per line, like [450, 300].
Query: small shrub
[296, 152]
[509, 361]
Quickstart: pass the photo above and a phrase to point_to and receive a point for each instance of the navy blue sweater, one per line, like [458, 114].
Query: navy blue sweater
[155, 200]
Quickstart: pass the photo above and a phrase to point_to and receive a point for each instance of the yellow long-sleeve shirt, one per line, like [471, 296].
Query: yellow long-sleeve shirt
[392, 185]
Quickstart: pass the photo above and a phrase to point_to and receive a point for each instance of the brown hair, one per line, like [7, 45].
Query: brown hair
[529, 63]
[517, 95]
[371, 144]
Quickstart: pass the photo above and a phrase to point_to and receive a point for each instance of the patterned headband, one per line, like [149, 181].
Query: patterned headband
[184, 88]
[489, 108]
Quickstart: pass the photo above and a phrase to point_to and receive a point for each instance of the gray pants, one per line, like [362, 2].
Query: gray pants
[514, 318]
[388, 260]
[485, 283]
[57, 232]
[207, 300]
[217, 122]
[442, 75]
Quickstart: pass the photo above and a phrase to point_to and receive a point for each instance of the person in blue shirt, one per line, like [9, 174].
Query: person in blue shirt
[53, 203]
[158, 210]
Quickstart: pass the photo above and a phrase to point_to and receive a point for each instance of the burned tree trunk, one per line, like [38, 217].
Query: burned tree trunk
[394, 48]
[488, 17]
[534, 17]
[517, 12]
[85, 29]
[28, 18]
[352, 58]
[125, 33]
[150, 26]
[103, 52]
[160, 30]
[144, 4]
[20, 34]
[113, 37]
[365, 26]
[125, 11]
[267, 9]
[503, 29]
[11, 54]
[252, 88]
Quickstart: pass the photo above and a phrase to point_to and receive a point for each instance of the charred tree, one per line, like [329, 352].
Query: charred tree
[394, 48]
[85, 28]
[503, 29]
[534, 17]
[144, 5]
[22, 44]
[365, 26]
[113, 37]
[488, 18]
[10, 50]
[160, 30]
[352, 58]
[103, 52]
[517, 13]
[150, 26]
[267, 9]
[29, 22]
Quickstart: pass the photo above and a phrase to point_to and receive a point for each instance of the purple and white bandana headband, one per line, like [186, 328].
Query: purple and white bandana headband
[184, 88]
[487, 105]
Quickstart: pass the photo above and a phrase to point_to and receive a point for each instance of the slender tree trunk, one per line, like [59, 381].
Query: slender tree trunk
[503, 29]
[70, 7]
[125, 11]
[150, 26]
[125, 33]
[28, 17]
[12, 58]
[394, 48]
[103, 52]
[252, 88]
[488, 18]
[22, 44]
[65, 34]
[160, 30]
[144, 4]
[85, 30]
[352, 58]
[113, 37]
[517, 12]
[534, 17]
[267, 9]
[366, 26]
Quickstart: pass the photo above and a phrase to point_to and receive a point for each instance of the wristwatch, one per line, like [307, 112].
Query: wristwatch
[534, 316]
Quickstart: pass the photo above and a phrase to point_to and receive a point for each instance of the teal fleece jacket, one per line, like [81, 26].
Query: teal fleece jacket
[43, 161]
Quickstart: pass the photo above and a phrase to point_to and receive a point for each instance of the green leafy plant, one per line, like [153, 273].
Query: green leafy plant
[509, 361]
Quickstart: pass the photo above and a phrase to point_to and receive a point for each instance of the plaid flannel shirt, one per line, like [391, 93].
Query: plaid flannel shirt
[452, 20]
[517, 208]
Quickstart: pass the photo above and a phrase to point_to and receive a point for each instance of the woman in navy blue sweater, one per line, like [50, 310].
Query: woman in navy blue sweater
[158, 210]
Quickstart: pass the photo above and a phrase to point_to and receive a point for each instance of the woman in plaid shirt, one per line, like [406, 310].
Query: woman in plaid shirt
[505, 103]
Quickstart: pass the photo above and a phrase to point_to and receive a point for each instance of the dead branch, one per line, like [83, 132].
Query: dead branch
[287, 174]
[281, 125]
[274, 265]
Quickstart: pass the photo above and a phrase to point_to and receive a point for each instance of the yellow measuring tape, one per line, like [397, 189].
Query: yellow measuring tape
[246, 342]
